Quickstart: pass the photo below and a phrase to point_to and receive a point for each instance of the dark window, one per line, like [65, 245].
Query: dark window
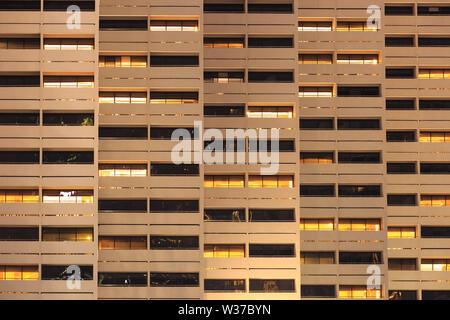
[434, 232]
[271, 250]
[358, 124]
[400, 104]
[168, 97]
[317, 190]
[169, 169]
[225, 285]
[399, 73]
[22, 5]
[434, 168]
[173, 25]
[57, 5]
[223, 76]
[391, 10]
[401, 167]
[435, 294]
[20, 43]
[174, 242]
[224, 111]
[254, 76]
[432, 10]
[19, 157]
[318, 291]
[20, 81]
[19, 119]
[359, 191]
[271, 215]
[125, 133]
[434, 104]
[68, 119]
[399, 41]
[266, 145]
[400, 136]
[114, 205]
[316, 257]
[351, 257]
[269, 8]
[402, 264]
[227, 145]
[122, 279]
[402, 295]
[234, 215]
[316, 124]
[401, 200]
[19, 234]
[316, 157]
[122, 242]
[346, 91]
[68, 157]
[272, 285]
[50, 272]
[173, 61]
[223, 7]
[434, 42]
[165, 133]
[359, 157]
[173, 205]
[270, 42]
[172, 279]
[123, 24]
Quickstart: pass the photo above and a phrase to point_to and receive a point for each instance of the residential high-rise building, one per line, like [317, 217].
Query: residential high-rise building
[93, 205]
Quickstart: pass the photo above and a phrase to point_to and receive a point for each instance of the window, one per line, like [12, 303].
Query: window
[223, 7]
[359, 124]
[224, 285]
[271, 215]
[269, 8]
[67, 196]
[261, 42]
[68, 44]
[52, 272]
[369, 91]
[401, 136]
[316, 157]
[19, 233]
[68, 119]
[122, 242]
[19, 157]
[398, 41]
[57, 5]
[119, 205]
[173, 97]
[68, 81]
[271, 250]
[265, 76]
[19, 43]
[402, 264]
[355, 257]
[304, 58]
[435, 232]
[359, 190]
[67, 234]
[359, 157]
[123, 133]
[435, 295]
[357, 59]
[224, 250]
[401, 167]
[20, 81]
[354, 26]
[165, 133]
[318, 291]
[174, 205]
[401, 233]
[434, 168]
[19, 196]
[399, 10]
[224, 181]
[229, 215]
[169, 169]
[223, 76]
[314, 26]
[122, 170]
[353, 224]
[400, 104]
[402, 295]
[270, 112]
[319, 257]
[174, 242]
[19, 119]
[268, 181]
[173, 61]
[400, 73]
[425, 104]
[236, 145]
[315, 92]
[358, 292]
[122, 97]
[312, 224]
[436, 200]
[401, 200]
[260, 145]
[434, 136]
[224, 111]
[10, 272]
[22, 5]
[434, 41]
[122, 279]
[173, 25]
[433, 10]
[68, 157]
[318, 190]
[272, 285]
[112, 25]
[435, 265]
[173, 279]
[122, 61]
[316, 124]
[223, 42]
[434, 74]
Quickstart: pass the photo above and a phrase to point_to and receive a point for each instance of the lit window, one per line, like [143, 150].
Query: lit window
[122, 61]
[224, 251]
[270, 181]
[122, 97]
[426, 136]
[19, 196]
[317, 224]
[315, 92]
[357, 58]
[358, 292]
[314, 25]
[269, 112]
[68, 196]
[224, 181]
[434, 200]
[435, 265]
[359, 225]
[401, 232]
[68, 82]
[122, 170]
[355, 26]
[173, 25]
[68, 44]
[19, 272]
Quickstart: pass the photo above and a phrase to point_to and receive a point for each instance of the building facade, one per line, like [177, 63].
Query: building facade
[92, 205]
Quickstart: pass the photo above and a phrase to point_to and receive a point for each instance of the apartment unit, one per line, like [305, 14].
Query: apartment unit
[90, 97]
